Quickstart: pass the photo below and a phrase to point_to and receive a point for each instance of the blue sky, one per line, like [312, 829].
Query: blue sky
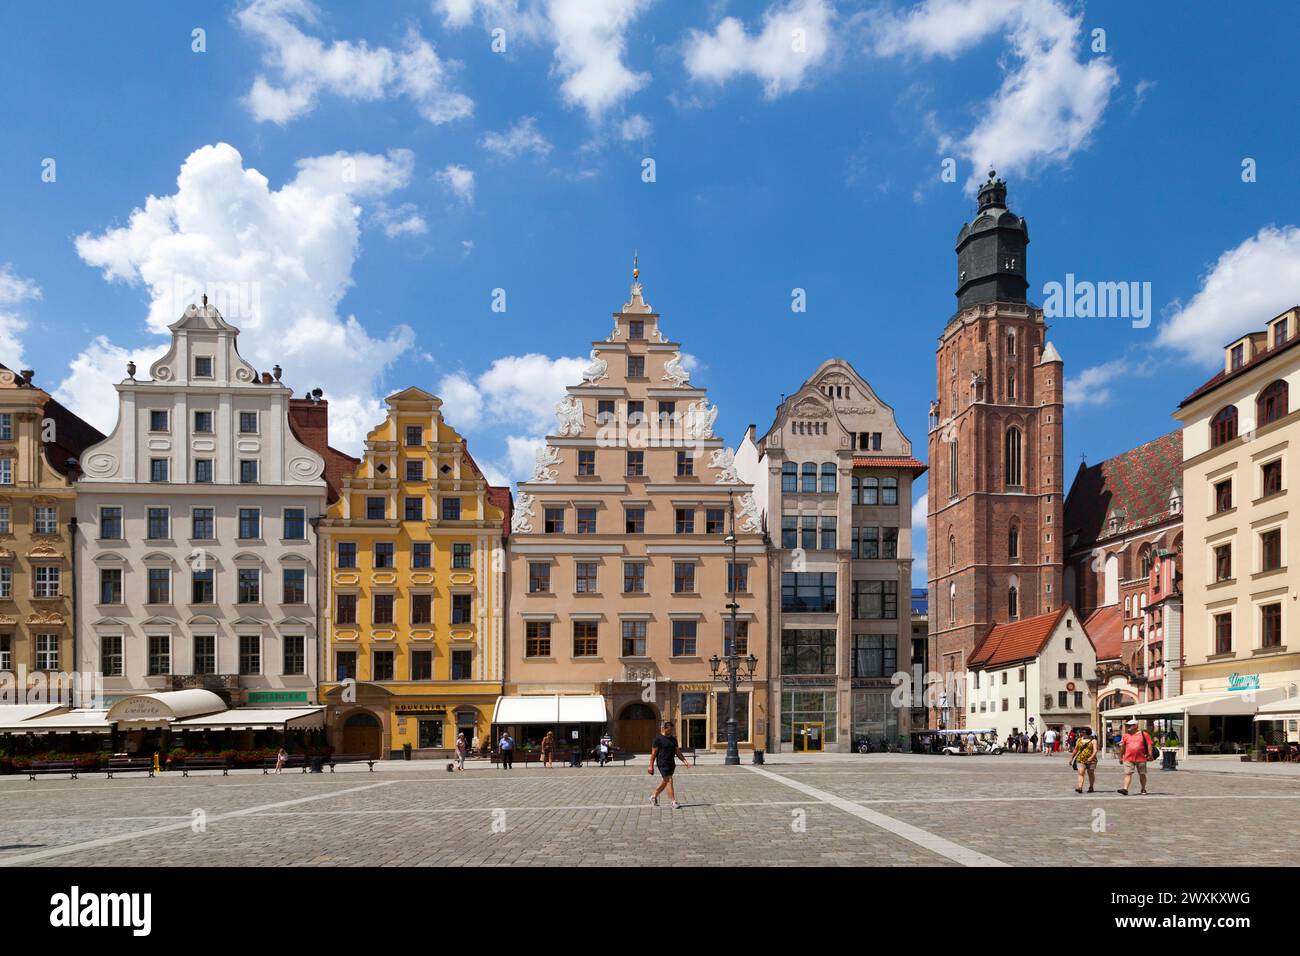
[364, 176]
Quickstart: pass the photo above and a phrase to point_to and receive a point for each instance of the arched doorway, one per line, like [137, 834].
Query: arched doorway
[363, 734]
[637, 726]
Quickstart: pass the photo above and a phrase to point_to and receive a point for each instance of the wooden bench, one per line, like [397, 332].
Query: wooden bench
[52, 766]
[623, 755]
[350, 758]
[292, 760]
[128, 765]
[205, 763]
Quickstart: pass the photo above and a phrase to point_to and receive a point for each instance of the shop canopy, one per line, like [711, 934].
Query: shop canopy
[165, 707]
[1215, 704]
[1286, 709]
[257, 718]
[13, 715]
[67, 722]
[550, 709]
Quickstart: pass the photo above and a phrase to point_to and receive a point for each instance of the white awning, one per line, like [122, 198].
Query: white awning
[550, 709]
[164, 707]
[582, 710]
[69, 722]
[1217, 704]
[11, 715]
[1286, 709]
[257, 718]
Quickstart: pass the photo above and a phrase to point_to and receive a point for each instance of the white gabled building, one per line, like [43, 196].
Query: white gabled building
[197, 553]
[1032, 675]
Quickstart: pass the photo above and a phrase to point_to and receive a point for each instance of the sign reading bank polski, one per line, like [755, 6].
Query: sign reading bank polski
[1084, 299]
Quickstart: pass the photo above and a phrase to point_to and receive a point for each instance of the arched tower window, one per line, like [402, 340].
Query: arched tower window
[1013, 602]
[1012, 471]
[1223, 427]
[1013, 542]
[952, 552]
[953, 469]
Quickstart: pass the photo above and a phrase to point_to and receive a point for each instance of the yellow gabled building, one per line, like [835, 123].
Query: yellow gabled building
[414, 573]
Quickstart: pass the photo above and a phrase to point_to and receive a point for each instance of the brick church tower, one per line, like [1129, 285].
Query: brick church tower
[996, 491]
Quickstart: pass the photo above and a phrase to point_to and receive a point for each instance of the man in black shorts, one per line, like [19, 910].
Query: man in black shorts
[663, 757]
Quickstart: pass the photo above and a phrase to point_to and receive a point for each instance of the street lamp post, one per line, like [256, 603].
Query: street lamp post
[732, 660]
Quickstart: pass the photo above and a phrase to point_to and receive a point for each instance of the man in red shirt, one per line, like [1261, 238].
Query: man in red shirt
[1134, 752]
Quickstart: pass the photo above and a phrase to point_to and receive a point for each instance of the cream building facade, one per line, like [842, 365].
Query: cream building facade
[619, 569]
[1241, 573]
[197, 552]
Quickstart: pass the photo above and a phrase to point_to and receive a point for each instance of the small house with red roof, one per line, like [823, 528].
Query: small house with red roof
[1032, 675]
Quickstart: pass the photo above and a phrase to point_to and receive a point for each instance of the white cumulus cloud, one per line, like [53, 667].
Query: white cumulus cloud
[522, 137]
[1092, 385]
[589, 41]
[1049, 101]
[14, 292]
[795, 38]
[307, 66]
[459, 180]
[276, 262]
[1248, 285]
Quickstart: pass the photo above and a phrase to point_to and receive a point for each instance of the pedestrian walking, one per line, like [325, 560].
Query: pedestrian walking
[1033, 742]
[663, 757]
[280, 758]
[1084, 759]
[1049, 737]
[548, 749]
[1135, 749]
[604, 748]
[507, 747]
[461, 746]
[474, 747]
[970, 743]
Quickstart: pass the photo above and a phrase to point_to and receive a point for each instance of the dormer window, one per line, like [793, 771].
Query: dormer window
[203, 366]
[1238, 356]
[1279, 333]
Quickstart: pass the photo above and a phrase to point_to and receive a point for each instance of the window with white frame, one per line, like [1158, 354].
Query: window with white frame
[160, 655]
[6, 471]
[45, 581]
[6, 584]
[5, 514]
[47, 652]
[46, 519]
[111, 661]
[7, 426]
[6, 652]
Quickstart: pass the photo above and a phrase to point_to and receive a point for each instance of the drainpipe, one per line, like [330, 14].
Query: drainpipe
[320, 633]
[72, 550]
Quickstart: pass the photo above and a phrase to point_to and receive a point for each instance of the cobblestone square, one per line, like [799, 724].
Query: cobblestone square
[829, 810]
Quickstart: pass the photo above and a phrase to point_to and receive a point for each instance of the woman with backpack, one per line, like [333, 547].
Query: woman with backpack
[1085, 759]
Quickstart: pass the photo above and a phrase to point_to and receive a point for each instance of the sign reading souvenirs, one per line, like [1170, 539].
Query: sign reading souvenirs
[420, 708]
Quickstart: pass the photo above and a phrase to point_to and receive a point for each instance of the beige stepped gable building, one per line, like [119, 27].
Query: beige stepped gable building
[618, 563]
[1241, 567]
[833, 476]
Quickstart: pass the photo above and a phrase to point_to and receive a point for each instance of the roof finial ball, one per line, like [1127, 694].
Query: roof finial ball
[636, 271]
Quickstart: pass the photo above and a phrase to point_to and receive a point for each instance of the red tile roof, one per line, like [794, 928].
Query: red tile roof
[1105, 626]
[1016, 641]
[496, 494]
[918, 467]
[1259, 357]
[1137, 482]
